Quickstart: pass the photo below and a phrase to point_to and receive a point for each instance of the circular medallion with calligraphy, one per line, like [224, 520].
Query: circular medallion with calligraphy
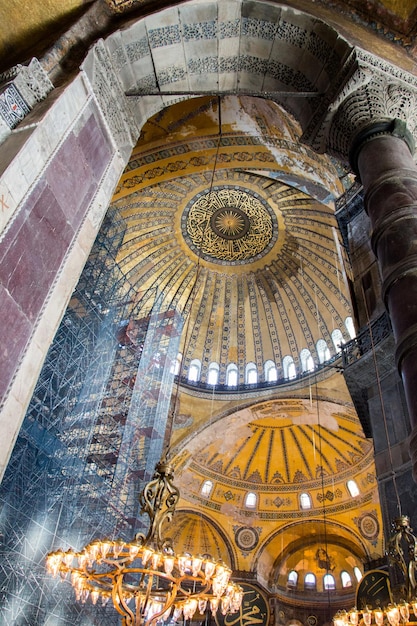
[229, 225]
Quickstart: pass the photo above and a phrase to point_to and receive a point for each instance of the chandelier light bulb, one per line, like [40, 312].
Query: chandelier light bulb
[379, 616]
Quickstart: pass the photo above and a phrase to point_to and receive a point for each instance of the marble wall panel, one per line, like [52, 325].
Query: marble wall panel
[14, 332]
[37, 241]
[95, 147]
[29, 264]
[69, 177]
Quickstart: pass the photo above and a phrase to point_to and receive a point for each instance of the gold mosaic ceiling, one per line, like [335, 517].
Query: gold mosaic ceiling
[235, 224]
[280, 447]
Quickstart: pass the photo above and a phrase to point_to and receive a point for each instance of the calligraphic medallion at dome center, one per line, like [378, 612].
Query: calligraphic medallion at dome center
[229, 225]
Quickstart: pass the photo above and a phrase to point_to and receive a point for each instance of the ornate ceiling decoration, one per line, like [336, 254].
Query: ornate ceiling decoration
[315, 448]
[194, 533]
[268, 302]
[229, 224]
[279, 449]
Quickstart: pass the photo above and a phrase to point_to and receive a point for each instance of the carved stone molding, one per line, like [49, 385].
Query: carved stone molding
[101, 73]
[23, 87]
[376, 90]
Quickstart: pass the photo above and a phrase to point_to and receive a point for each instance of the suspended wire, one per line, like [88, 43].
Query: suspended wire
[193, 291]
[320, 449]
[381, 400]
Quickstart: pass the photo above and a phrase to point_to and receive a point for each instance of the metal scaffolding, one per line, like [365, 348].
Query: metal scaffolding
[92, 435]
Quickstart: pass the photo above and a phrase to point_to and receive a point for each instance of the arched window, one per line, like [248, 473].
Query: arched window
[358, 574]
[309, 581]
[329, 582]
[288, 366]
[353, 488]
[250, 500]
[271, 374]
[251, 375]
[206, 488]
[323, 351]
[292, 578]
[177, 367]
[213, 374]
[231, 375]
[194, 371]
[305, 501]
[337, 339]
[350, 327]
[307, 362]
[346, 579]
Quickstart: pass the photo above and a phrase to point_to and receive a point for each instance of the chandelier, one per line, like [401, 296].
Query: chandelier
[402, 550]
[146, 581]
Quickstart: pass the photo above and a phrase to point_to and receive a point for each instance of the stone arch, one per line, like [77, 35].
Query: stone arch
[296, 535]
[301, 63]
[196, 49]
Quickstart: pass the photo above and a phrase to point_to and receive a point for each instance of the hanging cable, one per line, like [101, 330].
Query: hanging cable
[381, 399]
[326, 547]
[193, 291]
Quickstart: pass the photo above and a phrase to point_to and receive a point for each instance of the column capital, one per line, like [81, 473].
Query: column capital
[376, 94]
[379, 128]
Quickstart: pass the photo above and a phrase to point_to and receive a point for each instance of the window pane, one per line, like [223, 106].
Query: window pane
[231, 376]
[292, 372]
[213, 375]
[194, 370]
[305, 501]
[323, 351]
[310, 581]
[353, 488]
[250, 500]
[206, 488]
[350, 327]
[252, 377]
[178, 364]
[358, 574]
[337, 339]
[193, 373]
[272, 375]
[346, 579]
[309, 364]
[329, 582]
[286, 362]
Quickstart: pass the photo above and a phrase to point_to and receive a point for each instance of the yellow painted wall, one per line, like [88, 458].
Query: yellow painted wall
[28, 26]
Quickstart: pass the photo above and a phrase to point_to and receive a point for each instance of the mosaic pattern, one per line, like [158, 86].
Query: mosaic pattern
[288, 307]
[368, 526]
[230, 225]
[171, 160]
[246, 538]
[297, 454]
[194, 534]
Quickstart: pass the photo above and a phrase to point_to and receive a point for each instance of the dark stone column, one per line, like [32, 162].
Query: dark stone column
[382, 156]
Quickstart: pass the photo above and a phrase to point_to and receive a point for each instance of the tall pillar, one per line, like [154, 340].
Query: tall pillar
[381, 155]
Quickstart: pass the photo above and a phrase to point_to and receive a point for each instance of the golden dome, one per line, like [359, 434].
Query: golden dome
[238, 231]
